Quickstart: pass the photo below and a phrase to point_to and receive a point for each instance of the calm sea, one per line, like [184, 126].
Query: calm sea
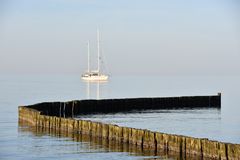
[22, 143]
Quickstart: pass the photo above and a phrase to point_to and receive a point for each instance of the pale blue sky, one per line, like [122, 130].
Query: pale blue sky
[139, 37]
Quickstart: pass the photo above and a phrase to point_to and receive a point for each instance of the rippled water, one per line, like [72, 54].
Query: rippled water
[21, 143]
[197, 123]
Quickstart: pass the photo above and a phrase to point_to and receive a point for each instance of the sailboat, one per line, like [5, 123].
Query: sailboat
[94, 75]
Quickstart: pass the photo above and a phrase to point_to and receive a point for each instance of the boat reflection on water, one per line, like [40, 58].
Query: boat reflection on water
[93, 89]
[89, 144]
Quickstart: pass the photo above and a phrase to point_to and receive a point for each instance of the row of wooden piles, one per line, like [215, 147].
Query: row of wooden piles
[145, 139]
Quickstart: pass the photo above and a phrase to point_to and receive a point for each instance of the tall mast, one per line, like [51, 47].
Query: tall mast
[88, 46]
[98, 49]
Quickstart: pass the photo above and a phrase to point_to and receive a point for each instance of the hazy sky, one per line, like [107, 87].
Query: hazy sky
[160, 37]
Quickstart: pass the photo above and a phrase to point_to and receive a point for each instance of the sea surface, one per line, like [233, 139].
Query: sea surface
[17, 142]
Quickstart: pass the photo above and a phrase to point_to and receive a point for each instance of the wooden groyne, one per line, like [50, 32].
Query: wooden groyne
[78, 107]
[103, 144]
[59, 116]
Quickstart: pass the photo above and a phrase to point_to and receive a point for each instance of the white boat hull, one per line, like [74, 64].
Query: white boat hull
[95, 78]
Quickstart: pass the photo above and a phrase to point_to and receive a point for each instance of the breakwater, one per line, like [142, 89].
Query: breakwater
[101, 144]
[59, 116]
